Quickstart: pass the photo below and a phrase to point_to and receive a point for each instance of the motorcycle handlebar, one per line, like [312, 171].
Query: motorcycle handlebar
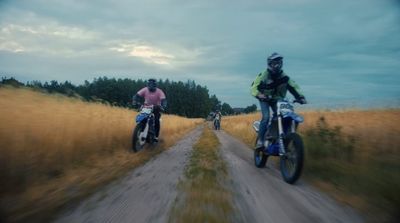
[154, 107]
[266, 99]
[161, 108]
[300, 101]
[270, 100]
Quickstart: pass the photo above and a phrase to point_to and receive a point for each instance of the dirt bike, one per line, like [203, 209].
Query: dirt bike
[144, 131]
[282, 140]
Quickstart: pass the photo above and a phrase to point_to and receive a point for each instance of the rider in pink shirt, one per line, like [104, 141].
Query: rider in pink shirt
[152, 96]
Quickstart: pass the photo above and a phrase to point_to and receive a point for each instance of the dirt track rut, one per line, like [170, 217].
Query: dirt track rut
[262, 196]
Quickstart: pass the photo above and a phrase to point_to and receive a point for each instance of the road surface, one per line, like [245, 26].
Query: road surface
[145, 195]
[260, 195]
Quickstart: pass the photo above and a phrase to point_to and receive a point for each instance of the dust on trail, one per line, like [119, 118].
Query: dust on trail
[261, 195]
[144, 195]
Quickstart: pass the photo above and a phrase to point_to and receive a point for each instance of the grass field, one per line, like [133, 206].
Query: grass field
[54, 150]
[352, 154]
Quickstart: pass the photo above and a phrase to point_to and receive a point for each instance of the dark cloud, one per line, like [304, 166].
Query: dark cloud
[340, 52]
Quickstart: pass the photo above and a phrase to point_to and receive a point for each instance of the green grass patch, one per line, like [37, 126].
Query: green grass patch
[337, 159]
[203, 196]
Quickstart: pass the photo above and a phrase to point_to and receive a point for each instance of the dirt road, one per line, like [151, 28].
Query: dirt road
[145, 195]
[262, 196]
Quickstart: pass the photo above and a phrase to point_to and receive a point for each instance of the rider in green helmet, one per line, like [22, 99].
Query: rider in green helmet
[270, 86]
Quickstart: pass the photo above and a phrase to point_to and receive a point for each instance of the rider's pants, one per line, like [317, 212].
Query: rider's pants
[157, 116]
[265, 113]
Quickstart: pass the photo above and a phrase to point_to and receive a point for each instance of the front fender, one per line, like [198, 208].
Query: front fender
[256, 125]
[140, 117]
[297, 118]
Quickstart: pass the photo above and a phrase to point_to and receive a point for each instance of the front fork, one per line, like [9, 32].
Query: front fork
[143, 134]
[149, 128]
[282, 150]
[152, 123]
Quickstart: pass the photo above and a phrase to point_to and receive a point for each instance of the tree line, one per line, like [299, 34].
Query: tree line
[184, 98]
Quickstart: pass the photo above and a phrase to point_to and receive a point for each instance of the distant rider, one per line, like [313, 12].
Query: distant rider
[270, 86]
[217, 117]
[152, 96]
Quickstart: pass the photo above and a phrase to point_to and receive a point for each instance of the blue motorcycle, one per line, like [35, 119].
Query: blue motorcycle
[144, 131]
[282, 140]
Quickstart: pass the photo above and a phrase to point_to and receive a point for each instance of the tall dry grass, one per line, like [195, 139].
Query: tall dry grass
[240, 126]
[352, 154]
[54, 149]
[374, 129]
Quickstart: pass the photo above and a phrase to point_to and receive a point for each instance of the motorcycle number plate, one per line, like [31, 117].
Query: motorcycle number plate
[285, 108]
[146, 110]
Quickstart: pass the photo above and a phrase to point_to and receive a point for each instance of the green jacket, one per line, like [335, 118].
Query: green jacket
[263, 83]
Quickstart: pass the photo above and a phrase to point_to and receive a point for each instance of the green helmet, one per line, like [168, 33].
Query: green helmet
[275, 62]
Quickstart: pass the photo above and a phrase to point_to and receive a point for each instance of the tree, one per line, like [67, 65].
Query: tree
[250, 109]
[184, 99]
[215, 103]
[226, 109]
[11, 81]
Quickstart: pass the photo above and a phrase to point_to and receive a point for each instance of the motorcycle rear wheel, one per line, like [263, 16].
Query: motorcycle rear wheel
[291, 164]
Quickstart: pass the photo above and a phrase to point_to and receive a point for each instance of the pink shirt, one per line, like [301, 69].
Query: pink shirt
[151, 98]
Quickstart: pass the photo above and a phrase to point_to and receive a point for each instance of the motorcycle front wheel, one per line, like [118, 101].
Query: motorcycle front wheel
[216, 124]
[136, 146]
[291, 163]
[260, 158]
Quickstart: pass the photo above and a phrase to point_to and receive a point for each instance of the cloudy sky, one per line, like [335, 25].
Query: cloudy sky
[341, 53]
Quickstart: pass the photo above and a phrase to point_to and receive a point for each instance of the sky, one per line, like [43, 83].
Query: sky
[341, 53]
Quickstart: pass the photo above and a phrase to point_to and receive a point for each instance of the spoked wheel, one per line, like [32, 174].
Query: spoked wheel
[292, 162]
[136, 142]
[260, 158]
